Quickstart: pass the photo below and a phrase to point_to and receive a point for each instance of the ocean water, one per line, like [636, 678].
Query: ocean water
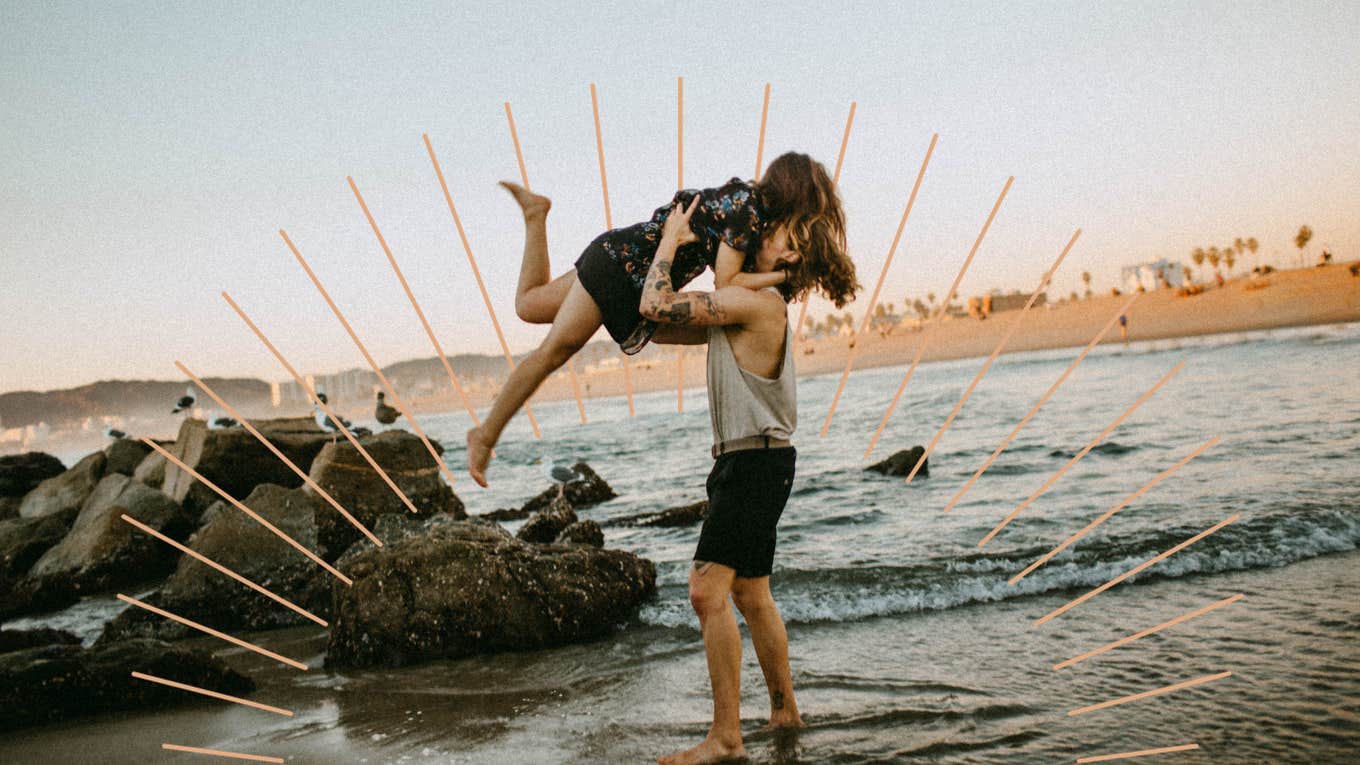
[907, 642]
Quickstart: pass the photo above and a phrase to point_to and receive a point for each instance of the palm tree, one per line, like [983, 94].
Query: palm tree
[1230, 257]
[1301, 239]
[1086, 279]
[1186, 270]
[1213, 257]
[1252, 245]
[1198, 256]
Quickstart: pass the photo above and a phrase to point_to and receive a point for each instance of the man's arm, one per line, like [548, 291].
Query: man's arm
[726, 305]
[678, 334]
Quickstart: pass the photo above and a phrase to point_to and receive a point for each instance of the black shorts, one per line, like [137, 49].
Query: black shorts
[747, 491]
[615, 295]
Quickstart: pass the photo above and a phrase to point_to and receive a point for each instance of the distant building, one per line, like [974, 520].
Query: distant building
[1153, 275]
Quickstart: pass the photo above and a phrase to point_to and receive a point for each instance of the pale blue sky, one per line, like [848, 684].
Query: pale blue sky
[150, 152]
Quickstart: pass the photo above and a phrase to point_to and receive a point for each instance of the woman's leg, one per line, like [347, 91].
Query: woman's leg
[576, 322]
[538, 296]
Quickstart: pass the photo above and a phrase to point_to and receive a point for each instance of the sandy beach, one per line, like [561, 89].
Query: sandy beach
[1299, 297]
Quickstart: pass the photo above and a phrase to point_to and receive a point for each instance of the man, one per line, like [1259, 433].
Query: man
[753, 408]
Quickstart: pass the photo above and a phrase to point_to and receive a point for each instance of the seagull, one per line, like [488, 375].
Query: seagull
[562, 475]
[383, 413]
[223, 422]
[328, 424]
[185, 402]
[114, 433]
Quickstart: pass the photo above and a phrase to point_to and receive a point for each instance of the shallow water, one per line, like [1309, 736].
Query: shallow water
[907, 643]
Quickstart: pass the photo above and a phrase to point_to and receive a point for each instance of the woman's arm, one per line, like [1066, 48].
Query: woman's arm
[727, 271]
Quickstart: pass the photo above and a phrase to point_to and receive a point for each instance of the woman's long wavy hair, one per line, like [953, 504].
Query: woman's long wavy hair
[796, 192]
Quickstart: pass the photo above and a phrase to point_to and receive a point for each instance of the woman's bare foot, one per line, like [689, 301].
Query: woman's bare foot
[533, 205]
[711, 750]
[479, 456]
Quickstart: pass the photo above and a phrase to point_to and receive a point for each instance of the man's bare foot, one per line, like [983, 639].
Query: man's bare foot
[533, 205]
[711, 750]
[479, 456]
[785, 720]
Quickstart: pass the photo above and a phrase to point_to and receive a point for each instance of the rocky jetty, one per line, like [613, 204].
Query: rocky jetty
[20, 474]
[901, 463]
[65, 491]
[589, 490]
[468, 587]
[544, 525]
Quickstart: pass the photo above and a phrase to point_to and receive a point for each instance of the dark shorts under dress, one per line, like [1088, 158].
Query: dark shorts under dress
[614, 266]
[747, 491]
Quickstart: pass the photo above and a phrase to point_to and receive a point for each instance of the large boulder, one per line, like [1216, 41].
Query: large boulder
[685, 515]
[21, 473]
[66, 491]
[547, 523]
[22, 542]
[344, 474]
[151, 470]
[235, 540]
[590, 490]
[468, 587]
[236, 461]
[58, 682]
[102, 551]
[124, 455]
[901, 463]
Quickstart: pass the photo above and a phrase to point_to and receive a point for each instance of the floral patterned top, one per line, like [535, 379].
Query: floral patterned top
[730, 213]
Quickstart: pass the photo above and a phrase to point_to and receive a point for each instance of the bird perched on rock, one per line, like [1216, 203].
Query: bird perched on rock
[223, 422]
[561, 475]
[383, 413]
[326, 423]
[185, 402]
[114, 433]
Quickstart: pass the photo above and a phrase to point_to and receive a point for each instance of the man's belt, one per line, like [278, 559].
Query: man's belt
[749, 442]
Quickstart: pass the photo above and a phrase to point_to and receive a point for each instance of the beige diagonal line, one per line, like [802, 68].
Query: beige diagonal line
[524, 177]
[883, 275]
[925, 337]
[453, 378]
[221, 753]
[1015, 324]
[1154, 692]
[1139, 753]
[1035, 409]
[213, 632]
[254, 515]
[301, 474]
[835, 181]
[335, 417]
[1149, 631]
[211, 694]
[204, 560]
[387, 385]
[476, 273]
[609, 224]
[1085, 450]
[1108, 513]
[1163, 556]
[760, 144]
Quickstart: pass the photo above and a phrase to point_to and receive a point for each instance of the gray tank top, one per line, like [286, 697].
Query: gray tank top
[743, 404]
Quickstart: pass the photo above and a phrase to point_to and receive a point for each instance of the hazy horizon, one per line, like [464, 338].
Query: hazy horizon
[151, 156]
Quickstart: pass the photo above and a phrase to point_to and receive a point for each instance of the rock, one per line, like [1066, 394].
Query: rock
[21, 473]
[102, 551]
[581, 533]
[151, 470]
[22, 542]
[20, 640]
[468, 588]
[590, 490]
[506, 514]
[58, 682]
[685, 515]
[236, 461]
[124, 455]
[9, 507]
[544, 526]
[344, 474]
[902, 462]
[236, 541]
[66, 491]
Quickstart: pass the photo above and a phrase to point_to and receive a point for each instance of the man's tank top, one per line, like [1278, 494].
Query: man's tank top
[743, 404]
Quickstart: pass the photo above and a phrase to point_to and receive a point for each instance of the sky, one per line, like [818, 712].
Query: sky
[150, 153]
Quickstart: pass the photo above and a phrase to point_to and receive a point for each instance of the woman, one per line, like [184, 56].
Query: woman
[793, 209]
